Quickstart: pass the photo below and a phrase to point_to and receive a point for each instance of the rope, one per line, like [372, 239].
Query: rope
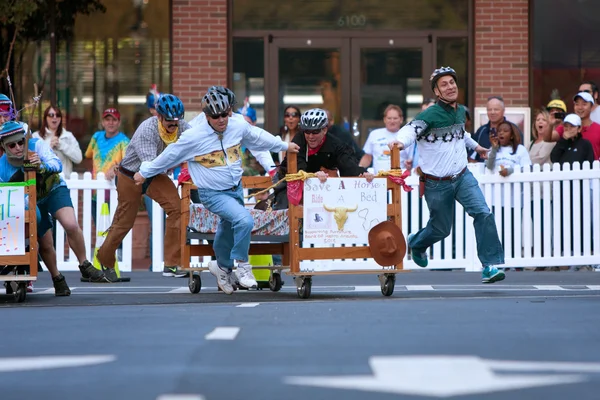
[302, 175]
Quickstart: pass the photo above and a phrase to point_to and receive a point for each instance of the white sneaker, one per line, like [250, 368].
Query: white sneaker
[245, 276]
[222, 277]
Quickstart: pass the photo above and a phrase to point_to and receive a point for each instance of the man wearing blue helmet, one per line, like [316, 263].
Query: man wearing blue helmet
[149, 140]
[439, 132]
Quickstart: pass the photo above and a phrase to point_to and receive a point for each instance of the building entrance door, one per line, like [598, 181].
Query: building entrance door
[354, 78]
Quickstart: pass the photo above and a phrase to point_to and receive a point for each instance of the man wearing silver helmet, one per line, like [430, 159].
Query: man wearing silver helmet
[320, 153]
[213, 152]
[441, 139]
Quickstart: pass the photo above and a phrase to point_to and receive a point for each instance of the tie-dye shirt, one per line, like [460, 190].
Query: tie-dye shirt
[106, 153]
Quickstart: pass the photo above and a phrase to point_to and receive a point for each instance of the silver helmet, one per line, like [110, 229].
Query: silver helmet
[439, 72]
[313, 119]
[215, 103]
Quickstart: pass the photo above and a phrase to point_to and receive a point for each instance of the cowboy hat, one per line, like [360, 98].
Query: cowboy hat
[387, 244]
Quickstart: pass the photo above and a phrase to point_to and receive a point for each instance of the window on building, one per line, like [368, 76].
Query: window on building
[565, 49]
[454, 52]
[249, 75]
[112, 59]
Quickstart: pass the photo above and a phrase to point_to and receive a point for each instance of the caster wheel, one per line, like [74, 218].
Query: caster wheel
[195, 284]
[21, 293]
[275, 282]
[388, 282]
[304, 288]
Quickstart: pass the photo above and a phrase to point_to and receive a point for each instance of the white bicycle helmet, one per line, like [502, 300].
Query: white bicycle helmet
[439, 72]
[313, 119]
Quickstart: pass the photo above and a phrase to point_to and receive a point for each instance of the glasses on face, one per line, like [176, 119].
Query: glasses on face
[52, 115]
[12, 145]
[313, 132]
[587, 91]
[291, 115]
[222, 115]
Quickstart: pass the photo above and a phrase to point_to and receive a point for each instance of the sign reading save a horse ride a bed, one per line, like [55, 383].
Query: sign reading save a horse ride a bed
[12, 220]
[342, 210]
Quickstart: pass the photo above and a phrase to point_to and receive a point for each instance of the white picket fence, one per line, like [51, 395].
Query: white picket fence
[529, 199]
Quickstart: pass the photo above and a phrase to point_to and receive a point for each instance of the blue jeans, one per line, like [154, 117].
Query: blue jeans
[440, 196]
[232, 240]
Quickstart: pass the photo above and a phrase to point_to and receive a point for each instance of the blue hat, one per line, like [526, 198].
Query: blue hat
[248, 112]
[10, 129]
[4, 99]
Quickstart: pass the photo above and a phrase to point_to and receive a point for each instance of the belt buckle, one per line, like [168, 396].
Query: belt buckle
[455, 176]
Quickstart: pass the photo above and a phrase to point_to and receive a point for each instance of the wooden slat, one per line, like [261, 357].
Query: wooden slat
[200, 250]
[18, 278]
[260, 182]
[19, 260]
[357, 272]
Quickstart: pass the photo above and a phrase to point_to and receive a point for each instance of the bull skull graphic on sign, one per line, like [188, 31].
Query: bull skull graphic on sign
[340, 214]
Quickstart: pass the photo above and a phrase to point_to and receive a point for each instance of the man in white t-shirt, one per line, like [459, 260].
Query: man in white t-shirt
[376, 147]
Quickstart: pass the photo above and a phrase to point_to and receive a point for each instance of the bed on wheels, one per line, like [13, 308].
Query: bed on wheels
[280, 232]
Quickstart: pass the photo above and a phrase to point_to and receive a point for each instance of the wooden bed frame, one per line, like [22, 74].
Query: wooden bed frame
[16, 280]
[289, 246]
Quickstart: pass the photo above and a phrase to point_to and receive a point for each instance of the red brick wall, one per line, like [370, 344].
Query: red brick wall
[502, 51]
[199, 50]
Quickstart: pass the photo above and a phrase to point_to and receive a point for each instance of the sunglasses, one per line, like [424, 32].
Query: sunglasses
[587, 91]
[12, 145]
[222, 115]
[291, 115]
[314, 132]
[52, 115]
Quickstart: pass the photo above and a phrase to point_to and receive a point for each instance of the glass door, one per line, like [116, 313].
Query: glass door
[387, 71]
[306, 73]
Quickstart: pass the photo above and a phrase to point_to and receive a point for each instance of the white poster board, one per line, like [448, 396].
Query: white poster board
[12, 220]
[342, 210]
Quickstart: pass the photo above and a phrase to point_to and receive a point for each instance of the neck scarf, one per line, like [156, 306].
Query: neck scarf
[167, 137]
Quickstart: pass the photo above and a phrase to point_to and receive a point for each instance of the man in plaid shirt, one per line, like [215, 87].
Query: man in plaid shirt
[149, 140]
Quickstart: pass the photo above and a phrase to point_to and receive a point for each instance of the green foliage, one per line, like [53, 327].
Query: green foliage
[17, 12]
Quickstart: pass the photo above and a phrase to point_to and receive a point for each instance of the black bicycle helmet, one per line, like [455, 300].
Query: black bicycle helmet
[215, 103]
[170, 107]
[439, 72]
[227, 92]
[313, 119]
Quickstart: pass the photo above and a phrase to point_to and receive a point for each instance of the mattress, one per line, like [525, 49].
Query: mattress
[271, 223]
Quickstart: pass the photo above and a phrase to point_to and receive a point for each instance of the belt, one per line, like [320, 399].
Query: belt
[445, 178]
[126, 172]
[232, 189]
[423, 177]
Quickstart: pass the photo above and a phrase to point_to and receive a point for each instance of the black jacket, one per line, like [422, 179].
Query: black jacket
[334, 154]
[572, 150]
[345, 137]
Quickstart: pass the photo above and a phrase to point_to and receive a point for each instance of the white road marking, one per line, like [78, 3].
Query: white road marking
[180, 397]
[362, 288]
[247, 305]
[47, 291]
[549, 287]
[419, 287]
[180, 290]
[223, 333]
[34, 363]
[453, 375]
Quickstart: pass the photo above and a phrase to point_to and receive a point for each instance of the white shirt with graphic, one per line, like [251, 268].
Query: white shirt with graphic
[377, 146]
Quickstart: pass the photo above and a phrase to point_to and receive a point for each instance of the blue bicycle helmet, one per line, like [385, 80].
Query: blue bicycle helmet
[170, 107]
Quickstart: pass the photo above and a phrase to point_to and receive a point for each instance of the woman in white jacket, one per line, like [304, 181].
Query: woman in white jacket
[62, 142]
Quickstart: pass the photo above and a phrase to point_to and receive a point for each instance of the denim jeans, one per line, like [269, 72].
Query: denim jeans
[440, 197]
[232, 240]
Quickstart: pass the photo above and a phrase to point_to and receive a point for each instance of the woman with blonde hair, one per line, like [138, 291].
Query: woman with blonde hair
[60, 140]
[541, 133]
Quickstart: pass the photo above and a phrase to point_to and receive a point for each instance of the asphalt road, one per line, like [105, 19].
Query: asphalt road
[440, 335]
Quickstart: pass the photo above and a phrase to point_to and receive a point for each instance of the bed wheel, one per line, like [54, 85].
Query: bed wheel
[195, 283]
[303, 286]
[387, 281]
[275, 282]
[21, 293]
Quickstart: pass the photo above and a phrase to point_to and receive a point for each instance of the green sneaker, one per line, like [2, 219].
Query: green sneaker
[91, 274]
[492, 274]
[60, 286]
[418, 256]
[175, 272]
